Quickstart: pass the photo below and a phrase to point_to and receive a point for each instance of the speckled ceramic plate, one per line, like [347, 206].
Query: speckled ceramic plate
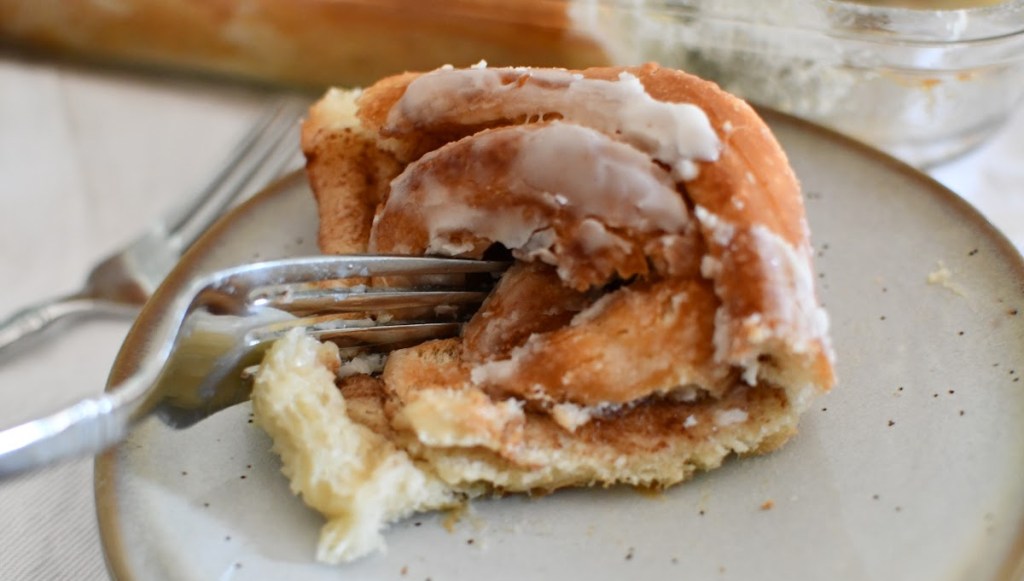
[913, 468]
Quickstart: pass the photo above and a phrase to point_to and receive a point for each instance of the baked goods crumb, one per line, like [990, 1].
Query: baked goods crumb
[943, 276]
[768, 504]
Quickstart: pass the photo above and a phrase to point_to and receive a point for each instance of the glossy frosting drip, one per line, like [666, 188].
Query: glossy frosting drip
[555, 192]
[675, 134]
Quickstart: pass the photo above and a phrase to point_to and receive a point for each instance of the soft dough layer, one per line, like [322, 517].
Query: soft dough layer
[660, 316]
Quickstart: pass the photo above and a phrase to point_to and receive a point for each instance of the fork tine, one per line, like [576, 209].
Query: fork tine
[304, 297]
[323, 268]
[364, 331]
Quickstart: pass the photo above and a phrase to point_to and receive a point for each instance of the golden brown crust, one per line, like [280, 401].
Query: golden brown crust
[349, 176]
[314, 43]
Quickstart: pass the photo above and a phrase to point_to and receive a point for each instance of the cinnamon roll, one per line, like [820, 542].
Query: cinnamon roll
[660, 314]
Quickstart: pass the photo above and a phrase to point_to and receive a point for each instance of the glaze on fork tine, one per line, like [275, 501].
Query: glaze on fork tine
[194, 369]
[121, 283]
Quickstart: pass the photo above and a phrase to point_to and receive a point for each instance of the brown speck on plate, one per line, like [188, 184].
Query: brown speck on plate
[768, 504]
[891, 423]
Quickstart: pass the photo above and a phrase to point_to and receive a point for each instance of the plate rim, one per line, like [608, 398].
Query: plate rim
[106, 464]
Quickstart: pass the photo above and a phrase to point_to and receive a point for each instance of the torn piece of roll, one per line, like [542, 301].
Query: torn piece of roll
[660, 314]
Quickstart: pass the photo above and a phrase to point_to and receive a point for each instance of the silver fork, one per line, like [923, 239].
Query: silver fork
[120, 283]
[225, 320]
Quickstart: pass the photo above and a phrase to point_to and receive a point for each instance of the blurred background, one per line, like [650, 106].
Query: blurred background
[113, 111]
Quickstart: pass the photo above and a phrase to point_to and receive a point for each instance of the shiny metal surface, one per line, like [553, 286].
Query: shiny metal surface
[212, 331]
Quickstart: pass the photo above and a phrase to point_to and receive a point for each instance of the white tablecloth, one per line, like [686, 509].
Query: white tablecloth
[87, 159]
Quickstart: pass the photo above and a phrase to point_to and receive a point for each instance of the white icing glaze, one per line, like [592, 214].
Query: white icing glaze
[795, 316]
[597, 182]
[718, 231]
[803, 320]
[571, 416]
[730, 416]
[594, 237]
[675, 134]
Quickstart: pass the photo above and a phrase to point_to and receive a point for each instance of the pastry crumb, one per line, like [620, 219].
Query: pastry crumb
[768, 504]
[943, 276]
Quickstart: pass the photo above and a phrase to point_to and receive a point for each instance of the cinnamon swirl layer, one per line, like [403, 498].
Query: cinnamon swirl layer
[661, 312]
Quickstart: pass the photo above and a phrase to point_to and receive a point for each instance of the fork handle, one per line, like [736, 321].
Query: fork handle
[85, 428]
[34, 319]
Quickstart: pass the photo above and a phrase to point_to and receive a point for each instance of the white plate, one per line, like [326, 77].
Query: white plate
[913, 468]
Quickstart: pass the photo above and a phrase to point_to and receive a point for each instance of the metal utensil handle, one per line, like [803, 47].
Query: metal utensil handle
[94, 424]
[86, 428]
[35, 318]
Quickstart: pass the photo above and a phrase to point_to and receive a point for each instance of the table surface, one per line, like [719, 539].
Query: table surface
[87, 159]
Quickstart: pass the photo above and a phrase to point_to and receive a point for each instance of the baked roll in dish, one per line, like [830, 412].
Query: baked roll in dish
[659, 316]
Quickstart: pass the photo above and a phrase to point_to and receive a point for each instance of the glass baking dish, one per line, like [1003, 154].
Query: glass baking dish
[924, 85]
